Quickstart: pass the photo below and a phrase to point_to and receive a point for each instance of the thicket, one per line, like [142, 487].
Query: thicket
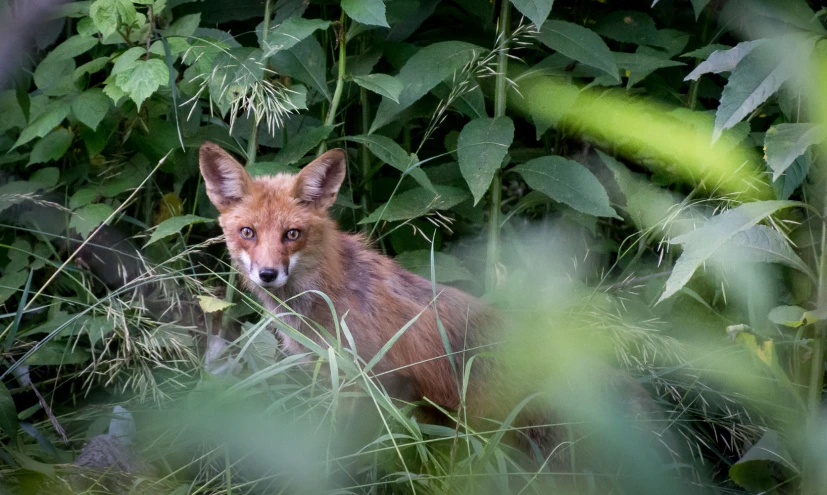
[640, 181]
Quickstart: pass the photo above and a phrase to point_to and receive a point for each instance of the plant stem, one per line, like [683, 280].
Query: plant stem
[340, 80]
[252, 144]
[496, 184]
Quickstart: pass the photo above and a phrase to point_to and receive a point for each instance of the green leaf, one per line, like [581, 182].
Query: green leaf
[10, 283]
[72, 47]
[46, 177]
[704, 52]
[640, 65]
[174, 225]
[83, 197]
[447, 267]
[8, 414]
[415, 203]
[142, 79]
[422, 72]
[698, 6]
[234, 72]
[761, 244]
[302, 143]
[579, 43]
[211, 304]
[537, 11]
[305, 62]
[724, 59]
[92, 67]
[370, 12]
[108, 15]
[629, 26]
[754, 470]
[55, 354]
[783, 143]
[481, 148]
[795, 174]
[789, 316]
[44, 123]
[184, 26]
[127, 59]
[381, 84]
[391, 153]
[290, 32]
[701, 244]
[12, 115]
[85, 219]
[51, 147]
[54, 77]
[90, 107]
[259, 169]
[569, 182]
[759, 74]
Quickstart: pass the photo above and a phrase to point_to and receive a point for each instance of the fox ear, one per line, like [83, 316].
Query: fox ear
[226, 179]
[319, 181]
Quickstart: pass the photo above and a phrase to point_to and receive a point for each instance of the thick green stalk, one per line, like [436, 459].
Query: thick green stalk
[496, 184]
[340, 79]
[252, 144]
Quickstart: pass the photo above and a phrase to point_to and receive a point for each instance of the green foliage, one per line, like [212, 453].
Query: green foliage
[648, 176]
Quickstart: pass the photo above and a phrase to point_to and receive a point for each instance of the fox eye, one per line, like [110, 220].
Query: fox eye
[292, 234]
[247, 233]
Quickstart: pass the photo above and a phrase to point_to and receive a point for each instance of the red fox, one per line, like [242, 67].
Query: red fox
[282, 240]
[284, 243]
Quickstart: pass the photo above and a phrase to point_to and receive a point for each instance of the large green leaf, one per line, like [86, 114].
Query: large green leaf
[757, 76]
[640, 65]
[87, 218]
[290, 32]
[698, 6]
[761, 244]
[44, 123]
[722, 60]
[108, 15]
[51, 147]
[446, 267]
[143, 78]
[305, 61]
[579, 43]
[422, 72]
[370, 12]
[304, 141]
[701, 244]
[754, 470]
[417, 202]
[481, 148]
[174, 225]
[783, 143]
[391, 153]
[90, 107]
[56, 354]
[381, 84]
[8, 414]
[628, 26]
[537, 11]
[569, 182]
[10, 283]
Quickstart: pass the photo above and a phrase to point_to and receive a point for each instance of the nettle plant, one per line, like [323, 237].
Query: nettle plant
[682, 141]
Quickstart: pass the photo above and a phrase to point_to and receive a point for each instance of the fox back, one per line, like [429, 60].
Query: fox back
[284, 243]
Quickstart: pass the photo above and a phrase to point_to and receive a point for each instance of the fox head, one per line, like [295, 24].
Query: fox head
[276, 227]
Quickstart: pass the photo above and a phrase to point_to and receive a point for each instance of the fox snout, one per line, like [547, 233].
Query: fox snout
[272, 275]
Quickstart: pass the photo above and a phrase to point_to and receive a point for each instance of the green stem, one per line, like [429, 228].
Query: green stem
[340, 80]
[252, 144]
[496, 184]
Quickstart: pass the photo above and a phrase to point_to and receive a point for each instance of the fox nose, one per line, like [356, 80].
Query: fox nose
[267, 275]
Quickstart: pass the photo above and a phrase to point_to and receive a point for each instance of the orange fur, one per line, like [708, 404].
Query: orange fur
[378, 295]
